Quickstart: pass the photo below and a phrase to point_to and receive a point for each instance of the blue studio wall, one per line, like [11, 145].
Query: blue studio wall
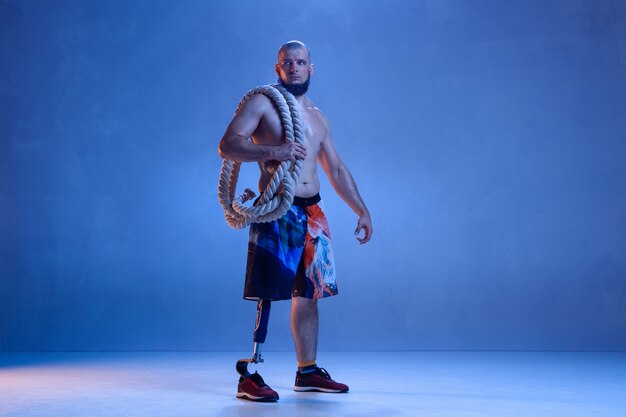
[488, 139]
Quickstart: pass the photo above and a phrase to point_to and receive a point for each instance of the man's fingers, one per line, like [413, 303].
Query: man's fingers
[367, 233]
[298, 150]
[358, 230]
[292, 151]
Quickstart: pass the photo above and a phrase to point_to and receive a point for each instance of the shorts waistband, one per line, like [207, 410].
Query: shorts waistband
[306, 201]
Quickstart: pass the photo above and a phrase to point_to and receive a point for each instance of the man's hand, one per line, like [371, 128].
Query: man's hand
[365, 224]
[291, 151]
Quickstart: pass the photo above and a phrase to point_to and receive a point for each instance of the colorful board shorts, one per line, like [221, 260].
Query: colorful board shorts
[291, 256]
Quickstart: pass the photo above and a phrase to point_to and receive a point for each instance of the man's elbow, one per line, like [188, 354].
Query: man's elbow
[342, 170]
[337, 173]
[223, 149]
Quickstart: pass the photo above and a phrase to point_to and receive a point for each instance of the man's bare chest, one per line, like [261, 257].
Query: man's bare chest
[270, 130]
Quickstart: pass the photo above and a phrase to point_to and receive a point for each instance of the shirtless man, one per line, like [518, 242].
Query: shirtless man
[304, 269]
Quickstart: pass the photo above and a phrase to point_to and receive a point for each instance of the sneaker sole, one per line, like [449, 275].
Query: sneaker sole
[304, 389]
[249, 397]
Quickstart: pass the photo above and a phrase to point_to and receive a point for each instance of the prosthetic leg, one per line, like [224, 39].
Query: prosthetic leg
[260, 333]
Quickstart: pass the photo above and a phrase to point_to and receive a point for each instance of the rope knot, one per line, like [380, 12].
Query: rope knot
[271, 166]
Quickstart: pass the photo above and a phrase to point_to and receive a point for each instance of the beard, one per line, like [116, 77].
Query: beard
[296, 89]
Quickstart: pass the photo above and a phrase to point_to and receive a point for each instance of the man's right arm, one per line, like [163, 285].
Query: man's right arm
[235, 145]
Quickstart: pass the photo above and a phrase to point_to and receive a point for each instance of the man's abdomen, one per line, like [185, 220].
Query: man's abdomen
[308, 184]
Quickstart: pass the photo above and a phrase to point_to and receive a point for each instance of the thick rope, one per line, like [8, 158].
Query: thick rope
[277, 197]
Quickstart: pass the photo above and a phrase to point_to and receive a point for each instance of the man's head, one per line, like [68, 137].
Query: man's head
[294, 67]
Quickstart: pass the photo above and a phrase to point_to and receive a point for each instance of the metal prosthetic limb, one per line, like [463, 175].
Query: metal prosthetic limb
[260, 333]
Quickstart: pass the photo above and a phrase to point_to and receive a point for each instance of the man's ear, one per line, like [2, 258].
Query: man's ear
[312, 67]
[277, 69]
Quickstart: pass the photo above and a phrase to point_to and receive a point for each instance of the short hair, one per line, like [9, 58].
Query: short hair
[294, 44]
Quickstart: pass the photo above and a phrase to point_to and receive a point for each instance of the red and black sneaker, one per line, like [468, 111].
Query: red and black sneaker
[253, 388]
[318, 380]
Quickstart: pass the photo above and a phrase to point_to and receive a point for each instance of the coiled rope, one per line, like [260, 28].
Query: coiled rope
[277, 197]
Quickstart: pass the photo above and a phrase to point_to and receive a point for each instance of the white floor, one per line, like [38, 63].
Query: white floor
[382, 384]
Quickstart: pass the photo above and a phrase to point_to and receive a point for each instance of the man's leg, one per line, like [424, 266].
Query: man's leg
[304, 328]
[252, 386]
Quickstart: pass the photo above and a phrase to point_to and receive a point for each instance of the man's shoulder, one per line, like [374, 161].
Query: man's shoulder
[310, 104]
[319, 116]
[258, 105]
[312, 107]
[259, 100]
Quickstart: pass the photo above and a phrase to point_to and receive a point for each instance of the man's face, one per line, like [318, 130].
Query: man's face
[293, 67]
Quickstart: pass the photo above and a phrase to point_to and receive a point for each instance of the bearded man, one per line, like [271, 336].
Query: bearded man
[292, 258]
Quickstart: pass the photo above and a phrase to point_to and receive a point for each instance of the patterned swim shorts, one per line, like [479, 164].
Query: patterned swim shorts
[291, 256]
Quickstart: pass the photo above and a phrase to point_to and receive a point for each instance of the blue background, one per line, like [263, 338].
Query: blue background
[487, 138]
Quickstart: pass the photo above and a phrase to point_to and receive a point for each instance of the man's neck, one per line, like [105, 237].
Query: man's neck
[301, 99]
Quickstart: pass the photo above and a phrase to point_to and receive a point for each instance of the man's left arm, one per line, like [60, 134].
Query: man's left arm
[343, 183]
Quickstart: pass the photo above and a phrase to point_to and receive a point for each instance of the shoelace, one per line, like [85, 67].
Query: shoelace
[255, 377]
[324, 373]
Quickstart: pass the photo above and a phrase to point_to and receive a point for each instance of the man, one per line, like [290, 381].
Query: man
[291, 257]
